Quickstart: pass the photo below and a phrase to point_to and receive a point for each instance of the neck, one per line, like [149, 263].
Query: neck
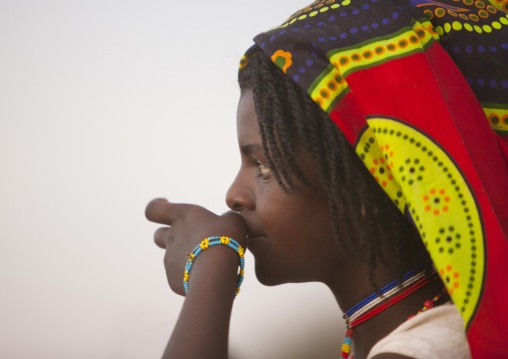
[369, 332]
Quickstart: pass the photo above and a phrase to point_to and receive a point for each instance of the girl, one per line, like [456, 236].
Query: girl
[363, 151]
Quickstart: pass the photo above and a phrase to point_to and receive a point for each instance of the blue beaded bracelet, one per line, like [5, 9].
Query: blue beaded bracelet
[215, 241]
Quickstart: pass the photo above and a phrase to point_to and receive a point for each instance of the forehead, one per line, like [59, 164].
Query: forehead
[246, 120]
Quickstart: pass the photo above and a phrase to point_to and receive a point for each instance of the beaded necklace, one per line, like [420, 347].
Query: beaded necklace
[382, 300]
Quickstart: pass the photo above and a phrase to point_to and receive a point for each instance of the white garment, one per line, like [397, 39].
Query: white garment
[434, 334]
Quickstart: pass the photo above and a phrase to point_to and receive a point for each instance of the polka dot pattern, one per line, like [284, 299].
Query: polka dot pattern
[316, 8]
[366, 55]
[335, 47]
[498, 117]
[458, 25]
[332, 18]
[450, 276]
[378, 160]
[445, 200]
[500, 5]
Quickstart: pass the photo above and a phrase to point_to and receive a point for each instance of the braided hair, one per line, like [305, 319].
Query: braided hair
[289, 119]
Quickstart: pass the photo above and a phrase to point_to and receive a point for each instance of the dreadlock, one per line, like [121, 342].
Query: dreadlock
[289, 119]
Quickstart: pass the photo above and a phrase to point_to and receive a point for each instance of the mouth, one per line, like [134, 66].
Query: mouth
[253, 236]
[257, 243]
[256, 238]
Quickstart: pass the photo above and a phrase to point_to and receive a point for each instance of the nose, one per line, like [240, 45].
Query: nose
[240, 196]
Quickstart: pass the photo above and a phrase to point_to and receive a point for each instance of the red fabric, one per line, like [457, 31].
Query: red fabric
[443, 94]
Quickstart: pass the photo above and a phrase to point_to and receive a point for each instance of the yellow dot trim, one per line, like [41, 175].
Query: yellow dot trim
[457, 25]
[313, 10]
[331, 85]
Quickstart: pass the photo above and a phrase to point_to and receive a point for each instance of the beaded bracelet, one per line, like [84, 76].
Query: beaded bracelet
[214, 241]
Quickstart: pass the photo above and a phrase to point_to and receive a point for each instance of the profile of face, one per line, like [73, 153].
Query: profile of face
[290, 234]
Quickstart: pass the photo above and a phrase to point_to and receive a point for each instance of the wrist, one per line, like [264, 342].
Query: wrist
[207, 308]
[218, 267]
[214, 273]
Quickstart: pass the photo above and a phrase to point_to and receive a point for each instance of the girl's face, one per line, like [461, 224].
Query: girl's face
[290, 235]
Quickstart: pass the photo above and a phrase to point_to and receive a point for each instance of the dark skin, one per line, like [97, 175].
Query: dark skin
[292, 240]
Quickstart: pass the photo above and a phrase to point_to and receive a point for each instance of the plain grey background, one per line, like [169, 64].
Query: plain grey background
[103, 106]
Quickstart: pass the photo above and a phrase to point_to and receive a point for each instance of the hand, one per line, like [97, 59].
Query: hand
[189, 225]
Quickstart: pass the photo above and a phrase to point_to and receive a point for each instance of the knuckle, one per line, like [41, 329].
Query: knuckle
[192, 210]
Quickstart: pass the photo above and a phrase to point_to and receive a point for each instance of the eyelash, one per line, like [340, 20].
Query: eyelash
[262, 166]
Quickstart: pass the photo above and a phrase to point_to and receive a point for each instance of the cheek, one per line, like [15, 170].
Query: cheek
[282, 215]
[295, 216]
[300, 232]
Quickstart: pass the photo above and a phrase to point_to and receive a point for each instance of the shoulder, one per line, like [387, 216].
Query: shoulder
[437, 333]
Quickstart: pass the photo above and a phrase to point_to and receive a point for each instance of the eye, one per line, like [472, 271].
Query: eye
[263, 168]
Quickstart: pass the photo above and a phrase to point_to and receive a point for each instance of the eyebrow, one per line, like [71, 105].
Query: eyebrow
[251, 149]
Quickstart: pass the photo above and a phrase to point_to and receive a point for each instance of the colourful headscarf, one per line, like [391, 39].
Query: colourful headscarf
[420, 89]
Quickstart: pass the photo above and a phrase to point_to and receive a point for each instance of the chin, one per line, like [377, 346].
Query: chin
[268, 277]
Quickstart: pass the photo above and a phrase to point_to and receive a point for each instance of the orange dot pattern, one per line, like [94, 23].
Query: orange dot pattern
[381, 167]
[436, 201]
[365, 55]
[379, 159]
[498, 119]
[451, 278]
[473, 12]
[501, 5]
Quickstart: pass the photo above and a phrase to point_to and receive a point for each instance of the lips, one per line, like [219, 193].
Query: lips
[254, 236]
[253, 231]
[256, 239]
[257, 243]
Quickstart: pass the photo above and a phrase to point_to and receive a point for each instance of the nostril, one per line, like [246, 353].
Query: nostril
[233, 203]
[239, 195]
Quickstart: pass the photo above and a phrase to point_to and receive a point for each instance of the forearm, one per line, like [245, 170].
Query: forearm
[203, 325]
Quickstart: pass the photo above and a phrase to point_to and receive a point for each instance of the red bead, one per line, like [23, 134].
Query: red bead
[428, 304]
[411, 316]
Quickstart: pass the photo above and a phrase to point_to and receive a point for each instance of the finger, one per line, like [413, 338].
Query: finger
[161, 211]
[161, 236]
[232, 214]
